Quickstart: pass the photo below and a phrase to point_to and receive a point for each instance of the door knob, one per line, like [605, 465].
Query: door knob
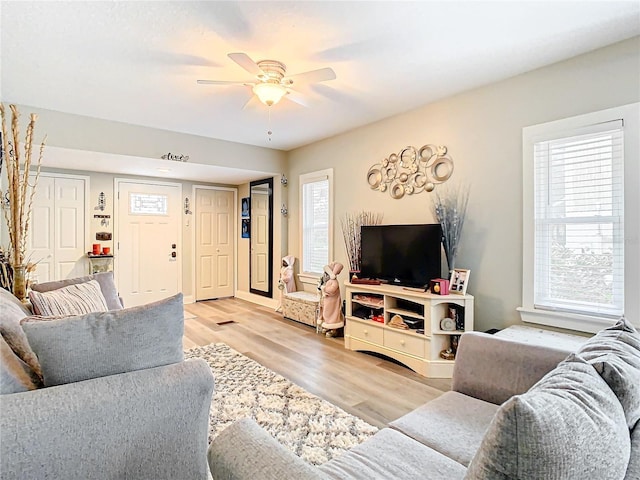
[174, 246]
[174, 254]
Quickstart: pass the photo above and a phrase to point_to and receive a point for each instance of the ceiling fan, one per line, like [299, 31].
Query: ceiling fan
[272, 82]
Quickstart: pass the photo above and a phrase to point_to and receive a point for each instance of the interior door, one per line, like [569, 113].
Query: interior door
[58, 228]
[214, 243]
[69, 228]
[259, 239]
[148, 248]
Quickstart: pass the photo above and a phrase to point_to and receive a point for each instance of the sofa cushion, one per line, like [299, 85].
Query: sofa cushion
[633, 469]
[453, 424]
[15, 375]
[105, 279]
[72, 300]
[615, 354]
[392, 455]
[570, 425]
[107, 343]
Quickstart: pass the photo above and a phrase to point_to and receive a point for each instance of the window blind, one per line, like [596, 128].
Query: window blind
[579, 228]
[315, 225]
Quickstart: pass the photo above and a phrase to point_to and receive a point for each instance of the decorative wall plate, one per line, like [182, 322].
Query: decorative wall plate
[411, 171]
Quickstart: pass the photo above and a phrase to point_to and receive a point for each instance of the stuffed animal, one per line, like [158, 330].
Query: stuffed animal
[287, 281]
[331, 319]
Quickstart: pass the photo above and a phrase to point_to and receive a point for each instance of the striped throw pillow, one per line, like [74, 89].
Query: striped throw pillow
[72, 300]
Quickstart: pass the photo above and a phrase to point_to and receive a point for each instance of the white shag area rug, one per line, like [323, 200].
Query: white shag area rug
[309, 426]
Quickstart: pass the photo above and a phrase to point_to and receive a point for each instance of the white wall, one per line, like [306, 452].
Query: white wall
[483, 130]
[96, 135]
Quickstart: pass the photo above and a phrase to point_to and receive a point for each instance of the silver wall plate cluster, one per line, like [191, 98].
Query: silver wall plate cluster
[411, 171]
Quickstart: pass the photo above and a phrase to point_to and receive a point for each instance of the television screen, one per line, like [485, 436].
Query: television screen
[401, 254]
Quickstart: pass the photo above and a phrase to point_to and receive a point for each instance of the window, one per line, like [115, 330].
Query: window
[575, 257]
[316, 220]
[148, 204]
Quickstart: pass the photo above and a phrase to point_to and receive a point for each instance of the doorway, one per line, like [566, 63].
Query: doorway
[214, 242]
[148, 259]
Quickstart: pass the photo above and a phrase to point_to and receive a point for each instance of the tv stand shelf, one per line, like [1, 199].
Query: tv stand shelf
[418, 351]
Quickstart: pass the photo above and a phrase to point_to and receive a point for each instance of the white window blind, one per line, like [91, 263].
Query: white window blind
[579, 228]
[315, 224]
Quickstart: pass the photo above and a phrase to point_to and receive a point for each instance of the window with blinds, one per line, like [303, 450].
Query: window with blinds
[315, 222]
[579, 226]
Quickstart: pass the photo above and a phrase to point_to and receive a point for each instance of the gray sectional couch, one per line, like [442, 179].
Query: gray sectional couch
[516, 411]
[118, 401]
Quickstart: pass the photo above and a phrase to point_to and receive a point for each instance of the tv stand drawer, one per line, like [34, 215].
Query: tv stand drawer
[409, 343]
[368, 333]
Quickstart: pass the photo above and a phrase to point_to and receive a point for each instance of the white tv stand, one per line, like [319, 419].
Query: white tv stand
[420, 352]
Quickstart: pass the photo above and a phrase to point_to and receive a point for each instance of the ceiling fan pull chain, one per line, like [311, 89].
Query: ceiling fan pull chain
[269, 132]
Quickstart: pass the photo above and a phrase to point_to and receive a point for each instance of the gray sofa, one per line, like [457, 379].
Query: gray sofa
[502, 420]
[124, 419]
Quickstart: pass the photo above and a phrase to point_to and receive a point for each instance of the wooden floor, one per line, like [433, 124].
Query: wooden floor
[372, 388]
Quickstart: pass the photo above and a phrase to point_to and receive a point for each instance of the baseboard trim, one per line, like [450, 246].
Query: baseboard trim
[260, 300]
[188, 299]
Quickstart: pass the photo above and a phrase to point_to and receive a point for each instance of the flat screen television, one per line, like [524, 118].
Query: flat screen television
[407, 255]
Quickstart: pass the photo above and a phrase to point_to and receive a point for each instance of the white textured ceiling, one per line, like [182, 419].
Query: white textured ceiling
[138, 62]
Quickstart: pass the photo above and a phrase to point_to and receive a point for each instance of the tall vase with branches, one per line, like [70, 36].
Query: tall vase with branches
[352, 224]
[450, 209]
[17, 201]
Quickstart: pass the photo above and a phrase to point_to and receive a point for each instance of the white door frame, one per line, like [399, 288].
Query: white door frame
[116, 234]
[193, 235]
[87, 206]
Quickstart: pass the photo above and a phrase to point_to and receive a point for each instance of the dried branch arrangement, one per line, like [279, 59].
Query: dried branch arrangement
[450, 209]
[17, 201]
[351, 224]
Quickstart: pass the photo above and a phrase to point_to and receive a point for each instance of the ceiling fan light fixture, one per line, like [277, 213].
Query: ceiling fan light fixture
[269, 93]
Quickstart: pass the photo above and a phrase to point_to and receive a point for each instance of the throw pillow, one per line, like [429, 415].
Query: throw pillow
[569, 425]
[12, 313]
[105, 279]
[15, 375]
[72, 300]
[108, 343]
[615, 354]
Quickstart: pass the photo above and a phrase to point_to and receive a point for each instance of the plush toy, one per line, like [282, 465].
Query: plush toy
[287, 281]
[330, 318]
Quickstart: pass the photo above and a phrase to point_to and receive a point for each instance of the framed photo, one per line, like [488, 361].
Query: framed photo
[246, 228]
[246, 205]
[459, 281]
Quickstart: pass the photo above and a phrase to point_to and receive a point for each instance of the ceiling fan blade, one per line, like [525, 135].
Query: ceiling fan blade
[245, 62]
[223, 82]
[252, 103]
[297, 97]
[314, 76]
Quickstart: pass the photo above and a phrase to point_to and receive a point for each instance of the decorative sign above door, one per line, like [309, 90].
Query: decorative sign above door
[411, 171]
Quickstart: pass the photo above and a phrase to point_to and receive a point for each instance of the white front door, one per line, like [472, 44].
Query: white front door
[259, 241]
[149, 250]
[214, 214]
[58, 228]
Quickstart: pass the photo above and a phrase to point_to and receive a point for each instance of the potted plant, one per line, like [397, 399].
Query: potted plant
[351, 224]
[16, 159]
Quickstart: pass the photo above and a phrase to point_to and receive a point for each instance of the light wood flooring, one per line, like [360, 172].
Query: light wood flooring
[372, 388]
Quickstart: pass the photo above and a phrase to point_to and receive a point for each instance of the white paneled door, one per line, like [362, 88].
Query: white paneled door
[214, 243]
[148, 244]
[58, 228]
